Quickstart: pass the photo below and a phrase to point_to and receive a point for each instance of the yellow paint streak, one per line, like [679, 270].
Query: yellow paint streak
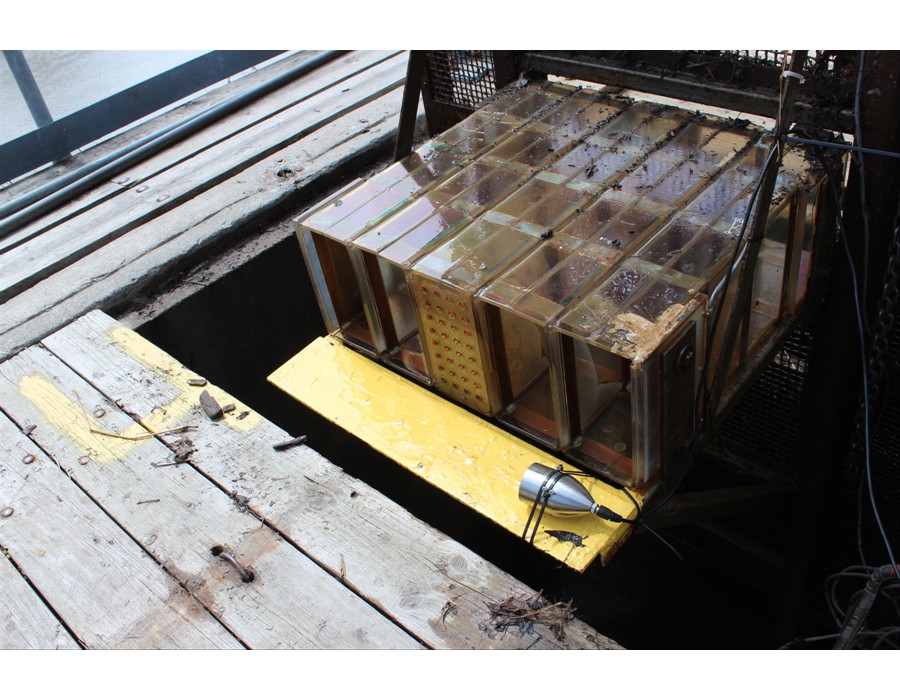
[177, 376]
[474, 461]
[71, 420]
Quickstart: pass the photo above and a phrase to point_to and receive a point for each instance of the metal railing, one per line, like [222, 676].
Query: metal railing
[53, 140]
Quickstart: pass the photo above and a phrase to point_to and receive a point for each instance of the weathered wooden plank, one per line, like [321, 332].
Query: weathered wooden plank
[430, 584]
[263, 108]
[109, 592]
[25, 622]
[195, 104]
[39, 257]
[142, 258]
[179, 516]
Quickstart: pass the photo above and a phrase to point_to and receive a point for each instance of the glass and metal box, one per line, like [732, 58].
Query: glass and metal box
[435, 188]
[552, 261]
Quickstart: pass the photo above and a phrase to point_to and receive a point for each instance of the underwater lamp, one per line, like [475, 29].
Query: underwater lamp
[561, 493]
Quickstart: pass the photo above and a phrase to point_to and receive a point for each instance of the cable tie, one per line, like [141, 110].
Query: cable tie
[792, 74]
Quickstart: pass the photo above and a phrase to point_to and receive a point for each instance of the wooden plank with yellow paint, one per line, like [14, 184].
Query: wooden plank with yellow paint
[428, 583]
[469, 458]
[178, 515]
[110, 593]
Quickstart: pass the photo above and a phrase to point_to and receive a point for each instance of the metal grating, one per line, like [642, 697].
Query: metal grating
[461, 78]
[893, 352]
[745, 66]
[765, 420]
[817, 62]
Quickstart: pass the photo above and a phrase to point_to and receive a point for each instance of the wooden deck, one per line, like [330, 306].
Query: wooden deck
[111, 519]
[209, 191]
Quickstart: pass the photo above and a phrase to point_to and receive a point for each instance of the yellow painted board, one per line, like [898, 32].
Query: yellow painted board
[464, 455]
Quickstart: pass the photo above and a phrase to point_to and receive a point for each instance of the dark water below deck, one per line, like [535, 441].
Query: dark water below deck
[237, 330]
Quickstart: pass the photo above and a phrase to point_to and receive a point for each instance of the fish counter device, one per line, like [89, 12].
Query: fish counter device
[552, 263]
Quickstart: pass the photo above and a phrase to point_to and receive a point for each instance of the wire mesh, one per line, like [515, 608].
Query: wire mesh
[765, 421]
[461, 78]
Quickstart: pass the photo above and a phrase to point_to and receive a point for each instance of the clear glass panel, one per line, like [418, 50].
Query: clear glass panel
[607, 443]
[402, 309]
[599, 378]
[345, 293]
[524, 355]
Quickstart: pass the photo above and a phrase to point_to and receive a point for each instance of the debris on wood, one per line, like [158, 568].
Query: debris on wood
[6, 512]
[566, 536]
[194, 381]
[183, 449]
[28, 429]
[524, 613]
[241, 501]
[149, 500]
[290, 443]
[172, 431]
[210, 406]
[246, 574]
[229, 408]
[28, 459]
[243, 414]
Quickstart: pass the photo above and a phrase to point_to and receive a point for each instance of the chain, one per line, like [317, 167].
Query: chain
[879, 346]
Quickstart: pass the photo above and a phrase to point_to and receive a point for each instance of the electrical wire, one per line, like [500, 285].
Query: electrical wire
[702, 399]
[857, 125]
[865, 374]
[846, 619]
[881, 634]
[839, 146]
[637, 520]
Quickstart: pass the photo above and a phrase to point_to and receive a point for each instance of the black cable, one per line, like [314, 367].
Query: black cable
[862, 183]
[881, 634]
[863, 357]
[839, 146]
[702, 398]
[637, 520]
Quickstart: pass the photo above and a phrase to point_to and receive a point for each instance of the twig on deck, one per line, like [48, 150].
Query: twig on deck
[173, 431]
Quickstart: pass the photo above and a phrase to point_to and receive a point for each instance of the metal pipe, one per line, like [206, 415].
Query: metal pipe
[31, 93]
[415, 74]
[38, 202]
[28, 86]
